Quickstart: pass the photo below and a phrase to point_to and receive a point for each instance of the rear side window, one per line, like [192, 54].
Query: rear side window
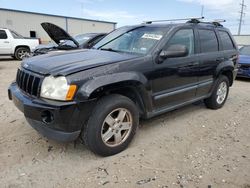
[208, 41]
[3, 34]
[184, 37]
[226, 41]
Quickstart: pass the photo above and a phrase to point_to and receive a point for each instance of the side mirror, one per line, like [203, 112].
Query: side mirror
[172, 51]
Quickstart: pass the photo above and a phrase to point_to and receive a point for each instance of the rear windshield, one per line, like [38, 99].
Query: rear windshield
[245, 50]
[82, 38]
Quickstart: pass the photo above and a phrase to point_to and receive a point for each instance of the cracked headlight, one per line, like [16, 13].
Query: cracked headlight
[57, 88]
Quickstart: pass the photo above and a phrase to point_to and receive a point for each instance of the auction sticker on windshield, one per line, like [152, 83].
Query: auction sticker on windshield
[152, 36]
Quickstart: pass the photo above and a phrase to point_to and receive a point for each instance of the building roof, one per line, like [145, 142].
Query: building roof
[60, 16]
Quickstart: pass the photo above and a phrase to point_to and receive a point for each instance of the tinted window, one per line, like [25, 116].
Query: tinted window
[208, 41]
[184, 37]
[226, 40]
[3, 34]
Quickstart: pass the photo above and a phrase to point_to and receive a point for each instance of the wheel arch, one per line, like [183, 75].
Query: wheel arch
[22, 46]
[226, 68]
[131, 85]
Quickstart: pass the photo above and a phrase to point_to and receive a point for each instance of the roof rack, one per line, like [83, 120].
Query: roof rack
[173, 20]
[216, 23]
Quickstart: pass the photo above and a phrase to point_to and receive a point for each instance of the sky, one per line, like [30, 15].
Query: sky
[129, 12]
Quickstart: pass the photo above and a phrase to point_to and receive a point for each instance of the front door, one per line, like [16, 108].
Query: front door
[176, 79]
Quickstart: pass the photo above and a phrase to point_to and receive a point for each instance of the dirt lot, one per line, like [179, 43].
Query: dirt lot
[190, 147]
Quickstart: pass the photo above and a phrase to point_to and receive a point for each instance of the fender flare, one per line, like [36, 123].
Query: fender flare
[224, 66]
[95, 83]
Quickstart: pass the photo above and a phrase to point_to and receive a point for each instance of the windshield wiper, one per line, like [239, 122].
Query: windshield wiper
[109, 49]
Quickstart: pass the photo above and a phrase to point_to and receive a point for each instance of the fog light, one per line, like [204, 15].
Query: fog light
[47, 117]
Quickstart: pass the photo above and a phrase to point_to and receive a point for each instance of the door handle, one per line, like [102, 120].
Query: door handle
[6, 42]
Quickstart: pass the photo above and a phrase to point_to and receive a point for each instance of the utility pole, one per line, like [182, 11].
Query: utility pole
[202, 11]
[242, 13]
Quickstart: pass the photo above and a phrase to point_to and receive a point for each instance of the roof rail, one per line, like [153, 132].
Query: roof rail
[216, 23]
[172, 20]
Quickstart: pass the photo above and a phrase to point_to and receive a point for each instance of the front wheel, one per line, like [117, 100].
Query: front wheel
[112, 125]
[219, 95]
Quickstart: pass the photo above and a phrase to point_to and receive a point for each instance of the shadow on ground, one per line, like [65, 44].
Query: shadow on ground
[243, 79]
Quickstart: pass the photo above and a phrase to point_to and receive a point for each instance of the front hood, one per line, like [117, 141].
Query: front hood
[244, 59]
[68, 62]
[57, 34]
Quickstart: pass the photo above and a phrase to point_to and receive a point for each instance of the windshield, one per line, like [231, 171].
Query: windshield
[245, 50]
[139, 40]
[81, 39]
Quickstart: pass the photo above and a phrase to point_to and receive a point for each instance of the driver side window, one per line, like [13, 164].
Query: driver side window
[184, 37]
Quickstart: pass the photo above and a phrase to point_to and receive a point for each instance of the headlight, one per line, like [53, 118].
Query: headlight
[57, 89]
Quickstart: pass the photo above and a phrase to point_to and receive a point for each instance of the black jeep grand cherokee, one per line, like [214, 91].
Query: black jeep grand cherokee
[134, 72]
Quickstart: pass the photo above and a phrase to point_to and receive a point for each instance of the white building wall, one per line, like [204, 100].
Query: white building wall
[79, 26]
[242, 39]
[24, 22]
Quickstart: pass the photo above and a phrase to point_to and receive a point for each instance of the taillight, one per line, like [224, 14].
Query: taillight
[40, 41]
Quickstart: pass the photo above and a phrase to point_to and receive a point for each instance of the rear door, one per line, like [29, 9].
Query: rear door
[5, 44]
[210, 57]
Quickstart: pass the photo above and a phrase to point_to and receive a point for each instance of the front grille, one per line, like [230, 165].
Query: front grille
[28, 82]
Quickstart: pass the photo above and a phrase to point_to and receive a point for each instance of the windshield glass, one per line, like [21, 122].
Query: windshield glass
[81, 39]
[245, 50]
[139, 40]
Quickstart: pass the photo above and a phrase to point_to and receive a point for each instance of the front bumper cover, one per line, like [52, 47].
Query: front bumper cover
[61, 121]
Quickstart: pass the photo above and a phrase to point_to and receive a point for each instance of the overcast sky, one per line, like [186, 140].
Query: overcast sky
[126, 12]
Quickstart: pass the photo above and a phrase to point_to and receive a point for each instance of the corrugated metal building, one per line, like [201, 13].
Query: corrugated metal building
[242, 39]
[28, 23]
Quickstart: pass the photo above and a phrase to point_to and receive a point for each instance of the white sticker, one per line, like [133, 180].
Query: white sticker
[152, 36]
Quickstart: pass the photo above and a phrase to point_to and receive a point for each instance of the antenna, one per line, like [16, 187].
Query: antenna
[172, 20]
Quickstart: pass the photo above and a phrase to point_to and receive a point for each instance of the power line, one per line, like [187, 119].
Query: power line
[242, 13]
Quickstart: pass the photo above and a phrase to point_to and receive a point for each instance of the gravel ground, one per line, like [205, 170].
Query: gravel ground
[189, 147]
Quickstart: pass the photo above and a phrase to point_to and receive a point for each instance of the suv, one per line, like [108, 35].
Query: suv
[134, 72]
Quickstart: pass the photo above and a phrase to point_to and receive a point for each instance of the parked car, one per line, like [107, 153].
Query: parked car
[244, 63]
[63, 41]
[15, 45]
[134, 72]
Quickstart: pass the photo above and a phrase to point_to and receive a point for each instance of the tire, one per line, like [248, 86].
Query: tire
[219, 95]
[110, 138]
[21, 53]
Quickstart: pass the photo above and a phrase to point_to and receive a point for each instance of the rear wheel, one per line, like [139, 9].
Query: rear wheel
[21, 53]
[112, 125]
[219, 95]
